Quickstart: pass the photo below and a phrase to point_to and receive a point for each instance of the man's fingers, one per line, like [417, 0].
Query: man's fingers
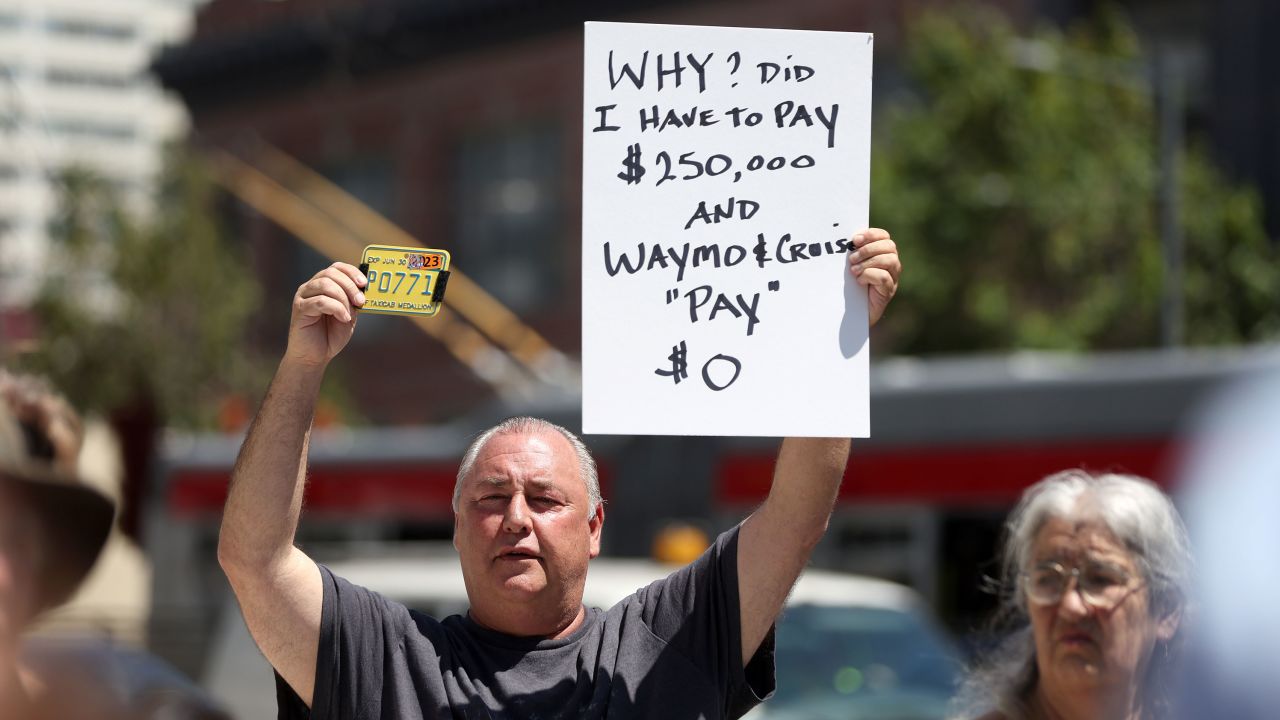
[890, 263]
[325, 284]
[874, 249]
[875, 264]
[878, 278]
[352, 272]
[871, 249]
[348, 278]
[320, 305]
[869, 235]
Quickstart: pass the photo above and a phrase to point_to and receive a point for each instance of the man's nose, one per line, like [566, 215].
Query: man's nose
[516, 519]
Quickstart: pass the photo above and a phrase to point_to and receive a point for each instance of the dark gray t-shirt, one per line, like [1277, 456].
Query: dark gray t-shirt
[672, 649]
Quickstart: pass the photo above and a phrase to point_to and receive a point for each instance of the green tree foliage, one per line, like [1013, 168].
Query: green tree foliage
[150, 311]
[1022, 180]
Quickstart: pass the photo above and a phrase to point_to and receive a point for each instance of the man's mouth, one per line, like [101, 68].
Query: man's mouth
[517, 555]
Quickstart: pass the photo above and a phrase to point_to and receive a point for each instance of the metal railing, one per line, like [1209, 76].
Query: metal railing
[485, 335]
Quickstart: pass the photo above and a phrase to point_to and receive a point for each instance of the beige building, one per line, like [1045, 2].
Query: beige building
[74, 90]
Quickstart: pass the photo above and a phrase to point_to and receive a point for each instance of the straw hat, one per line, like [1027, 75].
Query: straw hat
[74, 518]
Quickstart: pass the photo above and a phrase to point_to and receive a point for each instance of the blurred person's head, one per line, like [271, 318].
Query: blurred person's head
[51, 428]
[1230, 489]
[52, 528]
[1095, 571]
[527, 520]
[51, 525]
[19, 549]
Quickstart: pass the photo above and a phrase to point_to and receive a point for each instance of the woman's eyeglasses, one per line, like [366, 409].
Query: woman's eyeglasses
[1101, 585]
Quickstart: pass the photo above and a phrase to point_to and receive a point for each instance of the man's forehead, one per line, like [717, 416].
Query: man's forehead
[502, 481]
[528, 448]
[525, 441]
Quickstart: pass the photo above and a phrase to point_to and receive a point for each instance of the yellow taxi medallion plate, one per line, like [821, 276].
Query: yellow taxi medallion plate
[404, 280]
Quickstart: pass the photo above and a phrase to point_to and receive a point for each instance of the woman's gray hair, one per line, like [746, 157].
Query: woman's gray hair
[529, 425]
[1143, 519]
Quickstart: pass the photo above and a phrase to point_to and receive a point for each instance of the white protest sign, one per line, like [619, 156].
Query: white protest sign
[724, 172]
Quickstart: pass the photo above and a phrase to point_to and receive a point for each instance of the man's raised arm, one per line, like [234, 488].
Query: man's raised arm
[279, 587]
[775, 542]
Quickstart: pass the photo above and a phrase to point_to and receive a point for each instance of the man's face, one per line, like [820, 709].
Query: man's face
[18, 557]
[524, 527]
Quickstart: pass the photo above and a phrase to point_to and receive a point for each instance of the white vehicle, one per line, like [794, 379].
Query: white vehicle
[848, 647]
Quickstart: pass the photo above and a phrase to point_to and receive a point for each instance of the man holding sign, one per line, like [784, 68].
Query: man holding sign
[527, 520]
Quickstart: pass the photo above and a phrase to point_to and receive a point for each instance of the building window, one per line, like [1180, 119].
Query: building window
[75, 77]
[80, 127]
[83, 28]
[508, 213]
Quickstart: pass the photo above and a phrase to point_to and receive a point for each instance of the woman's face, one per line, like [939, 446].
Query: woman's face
[1098, 636]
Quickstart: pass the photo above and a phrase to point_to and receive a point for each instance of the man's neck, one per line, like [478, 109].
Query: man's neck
[522, 623]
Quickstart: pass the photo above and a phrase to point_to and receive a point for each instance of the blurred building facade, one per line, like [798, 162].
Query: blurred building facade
[75, 91]
[461, 122]
[1222, 58]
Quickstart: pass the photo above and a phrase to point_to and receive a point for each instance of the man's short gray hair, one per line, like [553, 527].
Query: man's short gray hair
[1143, 519]
[530, 425]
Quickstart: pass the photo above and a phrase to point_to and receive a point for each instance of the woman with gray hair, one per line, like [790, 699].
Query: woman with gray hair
[1094, 575]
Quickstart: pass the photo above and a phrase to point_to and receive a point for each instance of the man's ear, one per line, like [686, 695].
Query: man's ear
[455, 531]
[595, 524]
